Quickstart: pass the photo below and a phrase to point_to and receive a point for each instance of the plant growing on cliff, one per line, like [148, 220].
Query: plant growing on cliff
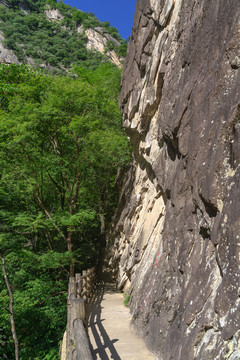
[126, 299]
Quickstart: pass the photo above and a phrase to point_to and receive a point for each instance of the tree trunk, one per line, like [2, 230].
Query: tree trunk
[69, 246]
[14, 334]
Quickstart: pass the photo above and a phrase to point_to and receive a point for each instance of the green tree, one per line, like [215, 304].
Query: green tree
[61, 144]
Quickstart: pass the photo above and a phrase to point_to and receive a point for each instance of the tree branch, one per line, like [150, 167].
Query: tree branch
[54, 144]
[49, 297]
[13, 328]
[38, 200]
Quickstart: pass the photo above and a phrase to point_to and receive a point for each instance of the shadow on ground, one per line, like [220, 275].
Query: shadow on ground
[105, 349]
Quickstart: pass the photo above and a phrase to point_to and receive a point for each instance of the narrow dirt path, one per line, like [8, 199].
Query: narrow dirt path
[109, 329]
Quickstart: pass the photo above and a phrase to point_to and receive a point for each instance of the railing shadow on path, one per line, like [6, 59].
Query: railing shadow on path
[104, 344]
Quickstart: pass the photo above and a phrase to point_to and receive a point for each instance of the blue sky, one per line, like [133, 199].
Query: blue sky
[120, 13]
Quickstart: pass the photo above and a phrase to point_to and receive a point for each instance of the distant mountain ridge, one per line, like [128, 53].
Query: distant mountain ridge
[52, 35]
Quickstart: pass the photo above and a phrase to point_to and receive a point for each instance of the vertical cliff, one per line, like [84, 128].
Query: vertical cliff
[175, 239]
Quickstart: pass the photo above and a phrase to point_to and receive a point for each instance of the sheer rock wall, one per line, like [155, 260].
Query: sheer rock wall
[175, 240]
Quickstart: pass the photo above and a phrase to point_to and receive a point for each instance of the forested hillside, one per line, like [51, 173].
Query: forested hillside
[61, 144]
[53, 35]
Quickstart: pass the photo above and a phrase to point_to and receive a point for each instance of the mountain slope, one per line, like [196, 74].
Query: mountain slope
[55, 35]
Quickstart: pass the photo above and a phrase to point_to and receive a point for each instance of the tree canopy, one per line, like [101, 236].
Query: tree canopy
[61, 144]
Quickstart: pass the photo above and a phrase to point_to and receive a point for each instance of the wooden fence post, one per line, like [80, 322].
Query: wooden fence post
[80, 290]
[84, 284]
[88, 284]
[72, 287]
[78, 310]
[70, 337]
[82, 351]
[79, 285]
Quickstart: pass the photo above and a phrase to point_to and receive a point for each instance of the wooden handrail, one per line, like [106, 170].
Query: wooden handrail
[75, 341]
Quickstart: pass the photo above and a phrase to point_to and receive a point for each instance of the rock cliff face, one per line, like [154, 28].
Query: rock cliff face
[6, 56]
[53, 14]
[97, 40]
[175, 239]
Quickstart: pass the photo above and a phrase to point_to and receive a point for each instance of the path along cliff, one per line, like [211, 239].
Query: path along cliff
[174, 243]
[98, 323]
[109, 328]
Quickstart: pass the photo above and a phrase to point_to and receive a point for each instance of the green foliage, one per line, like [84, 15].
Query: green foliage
[47, 42]
[54, 43]
[119, 49]
[126, 299]
[61, 144]
[10, 77]
[39, 303]
[32, 5]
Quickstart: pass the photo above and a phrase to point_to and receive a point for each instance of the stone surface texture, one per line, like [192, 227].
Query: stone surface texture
[109, 329]
[97, 41]
[53, 14]
[6, 55]
[174, 243]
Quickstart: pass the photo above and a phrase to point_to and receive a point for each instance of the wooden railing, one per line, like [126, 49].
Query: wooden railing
[75, 345]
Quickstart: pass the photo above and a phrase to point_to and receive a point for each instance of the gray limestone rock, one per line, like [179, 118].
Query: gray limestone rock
[7, 56]
[175, 238]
